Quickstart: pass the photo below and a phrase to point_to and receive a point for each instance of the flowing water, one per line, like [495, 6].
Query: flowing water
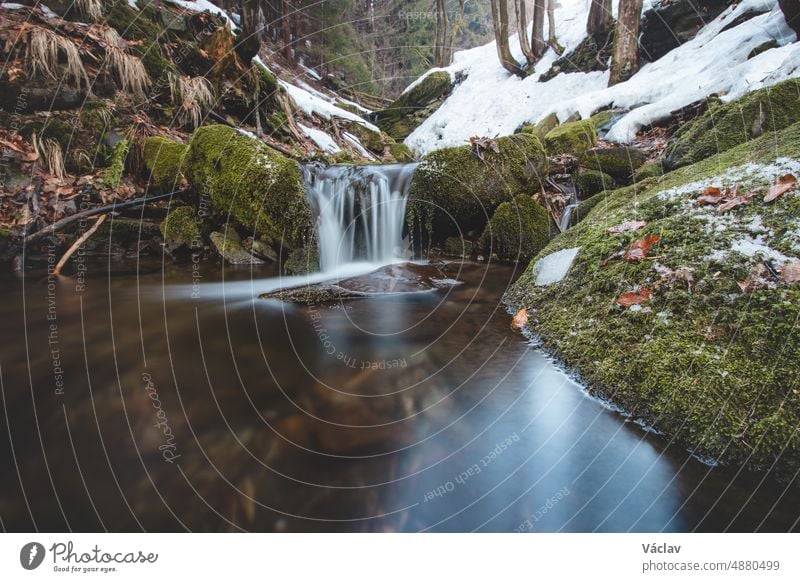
[162, 397]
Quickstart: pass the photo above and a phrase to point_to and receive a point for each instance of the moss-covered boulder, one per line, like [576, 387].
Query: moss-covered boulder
[401, 152]
[229, 247]
[181, 228]
[518, 230]
[711, 365]
[252, 184]
[455, 191]
[165, 160]
[725, 125]
[302, 261]
[590, 182]
[544, 126]
[571, 138]
[620, 162]
[415, 106]
[455, 246]
[650, 169]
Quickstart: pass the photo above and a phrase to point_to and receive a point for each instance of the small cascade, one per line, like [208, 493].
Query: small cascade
[359, 212]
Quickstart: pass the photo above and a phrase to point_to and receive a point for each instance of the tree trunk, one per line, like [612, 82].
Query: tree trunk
[600, 18]
[625, 58]
[250, 37]
[440, 51]
[286, 28]
[522, 30]
[551, 25]
[537, 38]
[500, 21]
[454, 30]
[791, 12]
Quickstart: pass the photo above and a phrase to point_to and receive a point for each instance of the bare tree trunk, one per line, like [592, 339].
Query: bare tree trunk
[791, 12]
[537, 38]
[251, 30]
[522, 31]
[455, 30]
[440, 50]
[500, 21]
[286, 28]
[551, 25]
[625, 59]
[600, 17]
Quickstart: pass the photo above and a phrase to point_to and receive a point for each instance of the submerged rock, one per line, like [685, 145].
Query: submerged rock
[389, 280]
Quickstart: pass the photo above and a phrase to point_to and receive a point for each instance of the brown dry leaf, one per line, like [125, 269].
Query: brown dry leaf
[780, 187]
[639, 248]
[791, 272]
[631, 298]
[626, 226]
[711, 195]
[520, 319]
[737, 201]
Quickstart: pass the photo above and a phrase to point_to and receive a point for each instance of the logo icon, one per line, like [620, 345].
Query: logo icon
[31, 555]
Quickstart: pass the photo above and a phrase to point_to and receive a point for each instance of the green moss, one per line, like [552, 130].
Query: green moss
[181, 228]
[602, 120]
[401, 152]
[453, 191]
[590, 182]
[302, 261]
[650, 169]
[710, 366]
[620, 162]
[412, 108]
[518, 230]
[258, 187]
[571, 138]
[455, 246]
[725, 125]
[762, 48]
[229, 247]
[116, 167]
[543, 127]
[165, 160]
[141, 26]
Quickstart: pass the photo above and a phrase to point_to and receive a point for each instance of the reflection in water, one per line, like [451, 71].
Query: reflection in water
[398, 413]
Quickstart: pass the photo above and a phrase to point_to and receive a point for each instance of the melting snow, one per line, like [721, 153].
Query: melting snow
[324, 141]
[204, 6]
[554, 267]
[492, 102]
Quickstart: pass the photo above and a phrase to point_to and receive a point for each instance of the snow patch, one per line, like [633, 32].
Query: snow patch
[204, 6]
[324, 141]
[554, 267]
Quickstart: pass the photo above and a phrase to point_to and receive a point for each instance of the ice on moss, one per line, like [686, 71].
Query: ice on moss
[554, 267]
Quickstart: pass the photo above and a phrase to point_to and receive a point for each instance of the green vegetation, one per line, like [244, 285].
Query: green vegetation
[619, 162]
[701, 360]
[455, 246]
[256, 186]
[164, 160]
[412, 108]
[455, 191]
[725, 125]
[574, 138]
[113, 174]
[181, 227]
[519, 229]
[590, 182]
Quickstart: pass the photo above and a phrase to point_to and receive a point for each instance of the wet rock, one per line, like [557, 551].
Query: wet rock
[673, 22]
[230, 248]
[412, 108]
[620, 162]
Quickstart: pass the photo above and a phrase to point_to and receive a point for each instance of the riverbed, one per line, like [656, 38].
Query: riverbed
[168, 398]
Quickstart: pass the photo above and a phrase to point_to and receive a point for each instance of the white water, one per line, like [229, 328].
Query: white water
[359, 212]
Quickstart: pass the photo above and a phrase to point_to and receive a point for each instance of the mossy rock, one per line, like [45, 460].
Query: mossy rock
[650, 169]
[591, 54]
[725, 125]
[256, 186]
[412, 108]
[165, 161]
[590, 182]
[116, 164]
[571, 138]
[518, 230]
[544, 126]
[181, 228]
[454, 192]
[708, 365]
[455, 246]
[620, 162]
[229, 247]
[401, 152]
[302, 261]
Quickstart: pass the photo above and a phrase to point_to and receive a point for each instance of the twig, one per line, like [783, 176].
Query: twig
[83, 238]
[64, 222]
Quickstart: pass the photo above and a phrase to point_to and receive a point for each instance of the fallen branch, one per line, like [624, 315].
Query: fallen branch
[64, 222]
[83, 238]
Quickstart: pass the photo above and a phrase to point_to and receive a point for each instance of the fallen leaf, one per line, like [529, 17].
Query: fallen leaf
[710, 196]
[780, 187]
[626, 226]
[520, 319]
[791, 272]
[631, 298]
[737, 201]
[639, 248]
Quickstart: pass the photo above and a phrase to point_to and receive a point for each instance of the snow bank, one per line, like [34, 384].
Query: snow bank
[554, 267]
[492, 102]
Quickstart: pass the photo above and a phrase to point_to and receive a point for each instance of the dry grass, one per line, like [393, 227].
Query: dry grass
[50, 156]
[42, 53]
[194, 97]
[90, 9]
[129, 72]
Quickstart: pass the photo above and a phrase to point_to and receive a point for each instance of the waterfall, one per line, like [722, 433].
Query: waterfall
[359, 212]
